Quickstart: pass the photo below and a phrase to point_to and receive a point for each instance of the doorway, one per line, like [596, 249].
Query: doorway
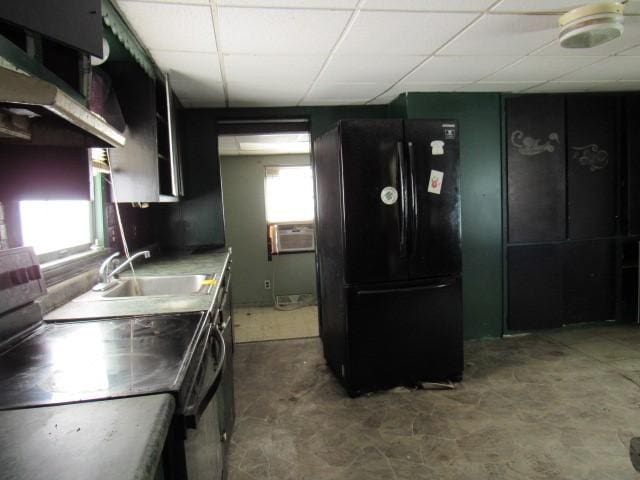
[269, 224]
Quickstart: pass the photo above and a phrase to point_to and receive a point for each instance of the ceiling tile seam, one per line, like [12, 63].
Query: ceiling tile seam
[620, 53]
[352, 19]
[587, 83]
[579, 68]
[535, 86]
[272, 7]
[221, 66]
[199, 52]
[515, 62]
[173, 4]
[532, 53]
[433, 54]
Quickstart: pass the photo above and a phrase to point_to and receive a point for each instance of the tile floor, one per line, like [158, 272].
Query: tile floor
[559, 405]
[257, 324]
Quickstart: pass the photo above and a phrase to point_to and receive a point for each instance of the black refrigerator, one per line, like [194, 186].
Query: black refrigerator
[388, 252]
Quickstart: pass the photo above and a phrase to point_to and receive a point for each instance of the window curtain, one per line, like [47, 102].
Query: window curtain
[44, 173]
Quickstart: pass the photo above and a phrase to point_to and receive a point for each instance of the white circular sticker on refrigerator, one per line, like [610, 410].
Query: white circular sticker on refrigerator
[389, 195]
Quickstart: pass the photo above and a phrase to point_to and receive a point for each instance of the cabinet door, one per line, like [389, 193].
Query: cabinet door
[77, 23]
[536, 168]
[135, 166]
[592, 165]
[534, 287]
[632, 133]
[589, 281]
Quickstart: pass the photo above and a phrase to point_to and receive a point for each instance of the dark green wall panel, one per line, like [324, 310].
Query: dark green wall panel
[481, 186]
[198, 220]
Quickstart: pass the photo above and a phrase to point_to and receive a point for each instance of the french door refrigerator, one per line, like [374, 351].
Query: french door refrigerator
[388, 252]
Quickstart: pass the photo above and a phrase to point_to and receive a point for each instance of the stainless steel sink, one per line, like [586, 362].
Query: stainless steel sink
[161, 285]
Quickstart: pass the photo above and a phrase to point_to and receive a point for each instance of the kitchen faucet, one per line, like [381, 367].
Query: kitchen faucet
[105, 274]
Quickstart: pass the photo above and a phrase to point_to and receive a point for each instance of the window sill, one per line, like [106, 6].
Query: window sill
[62, 269]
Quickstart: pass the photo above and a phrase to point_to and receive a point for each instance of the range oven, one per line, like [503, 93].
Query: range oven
[197, 439]
[76, 361]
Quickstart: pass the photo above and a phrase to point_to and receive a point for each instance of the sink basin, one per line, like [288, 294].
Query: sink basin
[166, 285]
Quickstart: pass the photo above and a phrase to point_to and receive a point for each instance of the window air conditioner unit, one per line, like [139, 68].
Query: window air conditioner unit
[293, 237]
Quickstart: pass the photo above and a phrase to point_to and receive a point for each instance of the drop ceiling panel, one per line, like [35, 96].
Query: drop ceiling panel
[625, 86]
[273, 68]
[558, 87]
[611, 68]
[202, 66]
[632, 7]
[540, 6]
[504, 35]
[555, 6]
[163, 26]
[403, 87]
[429, 5]
[497, 86]
[540, 68]
[332, 102]
[401, 33]
[195, 77]
[347, 91]
[194, 92]
[346, 4]
[181, 2]
[250, 93]
[630, 38]
[634, 51]
[368, 68]
[280, 31]
[458, 68]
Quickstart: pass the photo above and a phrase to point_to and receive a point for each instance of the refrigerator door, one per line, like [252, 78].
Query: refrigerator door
[374, 180]
[433, 157]
[404, 333]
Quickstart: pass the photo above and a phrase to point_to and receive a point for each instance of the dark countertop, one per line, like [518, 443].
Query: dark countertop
[201, 263]
[112, 439]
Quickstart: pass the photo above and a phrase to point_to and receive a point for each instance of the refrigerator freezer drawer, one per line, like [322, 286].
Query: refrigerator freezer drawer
[403, 335]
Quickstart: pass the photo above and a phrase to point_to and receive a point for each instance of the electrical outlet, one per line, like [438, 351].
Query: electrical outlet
[267, 284]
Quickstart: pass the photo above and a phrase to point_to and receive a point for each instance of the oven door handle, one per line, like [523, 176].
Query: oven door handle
[222, 326]
[193, 413]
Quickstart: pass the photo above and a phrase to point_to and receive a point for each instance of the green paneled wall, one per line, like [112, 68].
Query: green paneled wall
[199, 220]
[479, 118]
[246, 227]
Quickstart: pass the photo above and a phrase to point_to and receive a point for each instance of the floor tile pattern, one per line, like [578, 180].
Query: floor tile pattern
[258, 324]
[559, 405]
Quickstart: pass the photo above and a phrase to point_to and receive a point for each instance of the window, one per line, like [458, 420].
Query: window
[51, 226]
[289, 194]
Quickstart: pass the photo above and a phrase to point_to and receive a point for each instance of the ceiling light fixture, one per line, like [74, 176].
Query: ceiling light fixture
[591, 25]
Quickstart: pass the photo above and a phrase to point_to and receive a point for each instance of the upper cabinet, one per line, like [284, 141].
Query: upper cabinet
[536, 180]
[562, 167]
[147, 168]
[74, 23]
[631, 117]
[592, 165]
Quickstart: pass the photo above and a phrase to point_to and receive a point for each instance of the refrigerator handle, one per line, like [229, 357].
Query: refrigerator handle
[414, 195]
[403, 199]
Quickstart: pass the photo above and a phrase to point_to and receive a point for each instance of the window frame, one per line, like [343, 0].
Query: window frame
[272, 226]
[63, 264]
[280, 222]
[62, 253]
